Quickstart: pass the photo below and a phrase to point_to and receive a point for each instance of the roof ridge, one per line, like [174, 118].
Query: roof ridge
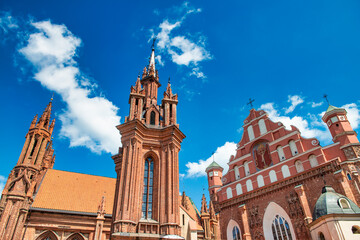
[81, 173]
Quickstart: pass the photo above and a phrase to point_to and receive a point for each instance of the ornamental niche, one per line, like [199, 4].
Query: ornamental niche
[261, 155]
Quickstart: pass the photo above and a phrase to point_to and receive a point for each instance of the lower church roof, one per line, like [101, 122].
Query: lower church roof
[74, 192]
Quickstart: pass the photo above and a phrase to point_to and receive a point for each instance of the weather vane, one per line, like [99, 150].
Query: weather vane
[326, 98]
[250, 102]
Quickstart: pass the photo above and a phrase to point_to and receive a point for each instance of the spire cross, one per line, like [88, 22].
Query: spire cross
[169, 80]
[326, 98]
[250, 102]
[153, 44]
[52, 97]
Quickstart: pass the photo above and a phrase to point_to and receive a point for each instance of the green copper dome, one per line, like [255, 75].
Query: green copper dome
[331, 107]
[332, 202]
[213, 165]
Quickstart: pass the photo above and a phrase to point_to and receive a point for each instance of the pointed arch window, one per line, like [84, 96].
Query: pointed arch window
[152, 118]
[148, 189]
[281, 229]
[236, 233]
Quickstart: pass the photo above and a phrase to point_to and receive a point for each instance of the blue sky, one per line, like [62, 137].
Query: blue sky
[284, 54]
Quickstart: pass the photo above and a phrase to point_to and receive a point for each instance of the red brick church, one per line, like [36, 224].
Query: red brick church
[281, 185]
[143, 202]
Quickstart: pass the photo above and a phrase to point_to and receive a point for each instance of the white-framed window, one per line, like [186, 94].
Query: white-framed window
[281, 153]
[280, 228]
[272, 175]
[334, 119]
[233, 231]
[277, 223]
[293, 148]
[236, 233]
[342, 118]
[229, 193]
[237, 173]
[262, 126]
[313, 161]
[247, 168]
[210, 174]
[249, 185]
[285, 171]
[299, 166]
[250, 131]
[344, 204]
[260, 181]
[239, 189]
[216, 173]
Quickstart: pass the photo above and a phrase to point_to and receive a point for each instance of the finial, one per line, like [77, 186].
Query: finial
[52, 97]
[326, 98]
[153, 44]
[169, 81]
[250, 102]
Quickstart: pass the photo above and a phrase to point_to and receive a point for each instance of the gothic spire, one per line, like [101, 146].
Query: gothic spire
[152, 59]
[203, 205]
[45, 117]
[211, 210]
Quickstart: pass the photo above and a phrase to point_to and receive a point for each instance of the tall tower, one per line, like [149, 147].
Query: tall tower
[36, 156]
[146, 201]
[214, 174]
[341, 131]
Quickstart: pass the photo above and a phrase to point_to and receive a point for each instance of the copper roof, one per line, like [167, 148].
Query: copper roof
[69, 191]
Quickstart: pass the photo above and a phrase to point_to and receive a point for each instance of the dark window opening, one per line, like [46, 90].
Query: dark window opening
[152, 118]
[33, 149]
[148, 189]
[170, 111]
[183, 219]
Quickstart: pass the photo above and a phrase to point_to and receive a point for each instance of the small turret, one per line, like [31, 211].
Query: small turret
[214, 173]
[341, 131]
[33, 123]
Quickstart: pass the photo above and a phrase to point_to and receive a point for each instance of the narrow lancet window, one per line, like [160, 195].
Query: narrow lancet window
[148, 189]
[152, 118]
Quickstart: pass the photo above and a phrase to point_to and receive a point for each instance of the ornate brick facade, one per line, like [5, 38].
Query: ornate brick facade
[147, 166]
[277, 176]
[18, 194]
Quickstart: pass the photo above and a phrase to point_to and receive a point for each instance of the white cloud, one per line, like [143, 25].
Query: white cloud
[7, 22]
[294, 100]
[314, 104]
[353, 114]
[221, 156]
[89, 120]
[300, 122]
[159, 60]
[2, 183]
[181, 49]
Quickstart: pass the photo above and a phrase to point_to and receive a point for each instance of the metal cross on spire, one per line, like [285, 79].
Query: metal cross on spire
[250, 102]
[326, 98]
[153, 44]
